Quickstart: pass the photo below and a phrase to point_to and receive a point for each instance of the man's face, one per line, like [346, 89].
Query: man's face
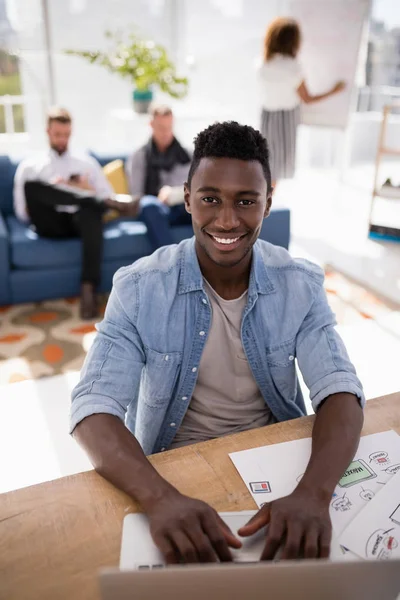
[228, 201]
[163, 133]
[59, 134]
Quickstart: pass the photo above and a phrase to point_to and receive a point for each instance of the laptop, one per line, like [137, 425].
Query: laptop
[299, 580]
[142, 574]
[138, 550]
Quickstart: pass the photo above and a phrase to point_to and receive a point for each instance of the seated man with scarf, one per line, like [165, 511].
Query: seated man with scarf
[156, 174]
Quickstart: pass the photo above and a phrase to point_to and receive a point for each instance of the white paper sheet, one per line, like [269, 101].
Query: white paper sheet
[375, 532]
[271, 472]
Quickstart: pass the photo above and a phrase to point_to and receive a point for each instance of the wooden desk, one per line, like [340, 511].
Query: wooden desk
[55, 536]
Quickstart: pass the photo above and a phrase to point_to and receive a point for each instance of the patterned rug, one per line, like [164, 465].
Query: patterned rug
[44, 338]
[48, 338]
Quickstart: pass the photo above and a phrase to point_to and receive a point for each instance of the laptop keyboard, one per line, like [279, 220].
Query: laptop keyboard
[159, 566]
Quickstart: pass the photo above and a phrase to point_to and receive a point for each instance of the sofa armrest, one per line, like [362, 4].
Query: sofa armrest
[276, 228]
[5, 297]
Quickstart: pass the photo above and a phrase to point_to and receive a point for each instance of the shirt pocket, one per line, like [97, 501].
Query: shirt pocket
[159, 376]
[282, 367]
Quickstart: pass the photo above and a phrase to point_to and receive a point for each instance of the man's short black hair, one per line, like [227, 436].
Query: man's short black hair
[231, 140]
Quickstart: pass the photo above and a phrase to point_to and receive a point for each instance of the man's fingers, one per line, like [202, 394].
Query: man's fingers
[218, 536]
[184, 547]
[229, 536]
[274, 539]
[292, 546]
[325, 542]
[167, 549]
[311, 543]
[260, 519]
[202, 544]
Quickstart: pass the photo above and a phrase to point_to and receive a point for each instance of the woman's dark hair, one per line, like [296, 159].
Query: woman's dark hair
[231, 140]
[283, 37]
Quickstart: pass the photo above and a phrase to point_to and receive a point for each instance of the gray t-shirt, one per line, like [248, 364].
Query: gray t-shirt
[226, 398]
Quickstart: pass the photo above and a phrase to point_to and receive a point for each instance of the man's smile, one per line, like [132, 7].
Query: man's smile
[226, 242]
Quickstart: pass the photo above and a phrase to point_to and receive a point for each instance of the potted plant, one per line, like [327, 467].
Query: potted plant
[145, 63]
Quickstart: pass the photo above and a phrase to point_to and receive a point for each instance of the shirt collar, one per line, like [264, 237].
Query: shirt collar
[191, 278]
[53, 154]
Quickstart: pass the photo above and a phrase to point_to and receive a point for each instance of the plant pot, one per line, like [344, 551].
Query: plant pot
[142, 100]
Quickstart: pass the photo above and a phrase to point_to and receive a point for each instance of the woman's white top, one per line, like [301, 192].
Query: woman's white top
[279, 79]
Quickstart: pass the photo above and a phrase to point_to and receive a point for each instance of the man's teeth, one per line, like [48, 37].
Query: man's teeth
[225, 240]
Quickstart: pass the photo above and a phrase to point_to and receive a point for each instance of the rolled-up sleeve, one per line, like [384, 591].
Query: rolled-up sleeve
[322, 356]
[110, 377]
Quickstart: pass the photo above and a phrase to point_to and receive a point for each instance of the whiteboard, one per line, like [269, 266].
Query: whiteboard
[332, 32]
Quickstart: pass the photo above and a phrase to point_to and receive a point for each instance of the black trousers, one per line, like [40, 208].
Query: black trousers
[86, 223]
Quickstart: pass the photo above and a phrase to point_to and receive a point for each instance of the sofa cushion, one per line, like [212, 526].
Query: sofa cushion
[123, 238]
[115, 173]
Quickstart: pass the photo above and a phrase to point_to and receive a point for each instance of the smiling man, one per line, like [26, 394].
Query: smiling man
[199, 340]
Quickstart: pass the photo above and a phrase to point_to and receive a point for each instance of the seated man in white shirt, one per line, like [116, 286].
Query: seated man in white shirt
[63, 194]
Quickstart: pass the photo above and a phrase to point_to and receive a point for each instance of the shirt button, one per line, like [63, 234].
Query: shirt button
[204, 301]
[172, 424]
[194, 369]
[202, 333]
[166, 357]
[184, 397]
[291, 357]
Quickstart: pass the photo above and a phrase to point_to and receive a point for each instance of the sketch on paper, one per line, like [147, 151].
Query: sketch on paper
[260, 487]
[381, 544]
[393, 469]
[395, 516]
[375, 532]
[280, 467]
[356, 472]
[366, 494]
[379, 458]
[341, 503]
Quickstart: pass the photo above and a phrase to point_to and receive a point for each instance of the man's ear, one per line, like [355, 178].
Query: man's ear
[268, 204]
[186, 191]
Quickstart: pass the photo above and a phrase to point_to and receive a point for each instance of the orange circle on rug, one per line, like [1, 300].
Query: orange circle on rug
[12, 337]
[53, 353]
[83, 329]
[43, 317]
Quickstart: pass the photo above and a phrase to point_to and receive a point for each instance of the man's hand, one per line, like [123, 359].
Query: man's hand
[299, 523]
[164, 194]
[82, 183]
[57, 180]
[127, 208]
[189, 531]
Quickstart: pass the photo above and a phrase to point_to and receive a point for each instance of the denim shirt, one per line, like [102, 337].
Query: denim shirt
[144, 362]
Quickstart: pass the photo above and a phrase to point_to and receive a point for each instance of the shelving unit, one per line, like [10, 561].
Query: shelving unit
[381, 231]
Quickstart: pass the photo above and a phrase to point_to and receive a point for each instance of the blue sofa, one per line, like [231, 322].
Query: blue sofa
[34, 268]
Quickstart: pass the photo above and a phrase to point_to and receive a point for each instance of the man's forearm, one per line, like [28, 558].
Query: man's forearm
[118, 457]
[335, 439]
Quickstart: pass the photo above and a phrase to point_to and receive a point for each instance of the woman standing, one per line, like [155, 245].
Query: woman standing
[282, 90]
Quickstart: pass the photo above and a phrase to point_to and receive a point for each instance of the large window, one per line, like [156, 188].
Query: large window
[27, 82]
[11, 108]
[382, 75]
